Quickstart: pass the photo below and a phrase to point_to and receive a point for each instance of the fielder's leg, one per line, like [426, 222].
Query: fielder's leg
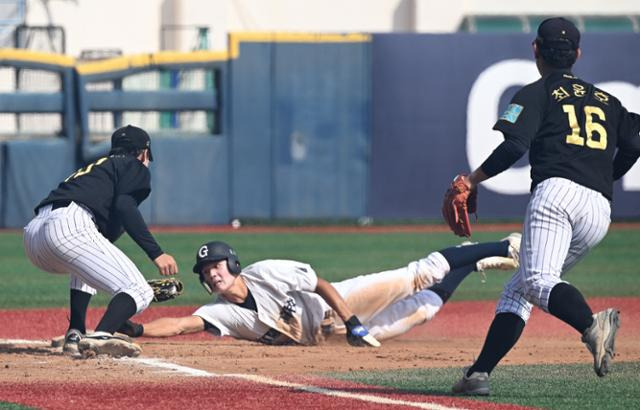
[551, 244]
[79, 297]
[512, 313]
[71, 241]
[544, 217]
[78, 304]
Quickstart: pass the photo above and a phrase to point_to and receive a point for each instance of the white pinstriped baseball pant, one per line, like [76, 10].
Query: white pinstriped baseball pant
[66, 240]
[564, 220]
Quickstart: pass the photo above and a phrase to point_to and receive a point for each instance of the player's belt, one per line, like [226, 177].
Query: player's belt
[62, 203]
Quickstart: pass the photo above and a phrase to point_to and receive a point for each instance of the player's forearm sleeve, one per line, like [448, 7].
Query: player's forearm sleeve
[503, 157]
[134, 225]
[623, 162]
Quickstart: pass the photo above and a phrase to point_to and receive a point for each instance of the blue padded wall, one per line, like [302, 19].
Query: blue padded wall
[250, 127]
[301, 133]
[321, 130]
[33, 168]
[189, 181]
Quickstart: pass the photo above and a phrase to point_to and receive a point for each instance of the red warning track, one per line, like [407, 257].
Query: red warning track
[40, 376]
[220, 393]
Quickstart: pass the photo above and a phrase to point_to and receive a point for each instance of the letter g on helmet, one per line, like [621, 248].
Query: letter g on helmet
[216, 251]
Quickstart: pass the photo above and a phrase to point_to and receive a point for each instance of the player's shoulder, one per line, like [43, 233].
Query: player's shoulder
[272, 264]
[277, 268]
[532, 92]
[606, 98]
[561, 83]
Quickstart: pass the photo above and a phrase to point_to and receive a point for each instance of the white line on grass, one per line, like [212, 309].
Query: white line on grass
[273, 382]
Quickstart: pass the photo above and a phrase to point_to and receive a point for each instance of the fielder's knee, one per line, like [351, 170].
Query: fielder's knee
[142, 294]
[516, 304]
[538, 287]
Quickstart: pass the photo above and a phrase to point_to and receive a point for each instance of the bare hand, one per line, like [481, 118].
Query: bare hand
[166, 264]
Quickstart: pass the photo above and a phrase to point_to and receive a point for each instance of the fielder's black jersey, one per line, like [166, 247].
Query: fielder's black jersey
[572, 130]
[98, 184]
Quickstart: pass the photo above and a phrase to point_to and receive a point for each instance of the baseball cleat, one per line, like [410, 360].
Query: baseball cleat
[58, 341]
[477, 384]
[467, 243]
[371, 341]
[510, 262]
[496, 262]
[71, 340]
[514, 239]
[600, 339]
[105, 343]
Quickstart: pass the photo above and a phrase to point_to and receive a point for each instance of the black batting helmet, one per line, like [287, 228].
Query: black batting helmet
[217, 251]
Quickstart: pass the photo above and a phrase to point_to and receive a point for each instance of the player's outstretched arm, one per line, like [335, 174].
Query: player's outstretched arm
[128, 213]
[357, 334]
[164, 327]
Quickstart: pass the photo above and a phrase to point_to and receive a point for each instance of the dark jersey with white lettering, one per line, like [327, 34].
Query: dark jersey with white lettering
[101, 186]
[572, 130]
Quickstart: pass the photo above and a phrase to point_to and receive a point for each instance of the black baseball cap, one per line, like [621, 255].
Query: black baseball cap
[558, 33]
[131, 137]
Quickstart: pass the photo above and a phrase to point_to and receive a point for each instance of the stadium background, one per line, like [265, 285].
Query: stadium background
[323, 114]
[290, 112]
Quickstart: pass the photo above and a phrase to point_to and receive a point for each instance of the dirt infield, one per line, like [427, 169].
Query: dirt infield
[35, 374]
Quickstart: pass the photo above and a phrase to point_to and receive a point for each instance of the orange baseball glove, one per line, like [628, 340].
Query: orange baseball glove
[459, 201]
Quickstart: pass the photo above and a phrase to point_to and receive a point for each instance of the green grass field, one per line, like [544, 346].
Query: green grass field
[610, 270]
[554, 387]
[12, 406]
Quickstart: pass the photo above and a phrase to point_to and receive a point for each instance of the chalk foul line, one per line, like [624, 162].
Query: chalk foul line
[189, 371]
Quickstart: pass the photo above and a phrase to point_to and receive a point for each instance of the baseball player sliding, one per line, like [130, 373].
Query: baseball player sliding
[580, 139]
[284, 301]
[73, 232]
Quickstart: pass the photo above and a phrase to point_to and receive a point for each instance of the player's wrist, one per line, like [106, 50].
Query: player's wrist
[352, 322]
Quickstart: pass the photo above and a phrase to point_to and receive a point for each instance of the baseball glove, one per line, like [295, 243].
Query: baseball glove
[459, 201]
[165, 289]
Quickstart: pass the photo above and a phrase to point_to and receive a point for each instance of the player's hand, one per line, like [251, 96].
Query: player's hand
[166, 264]
[358, 335]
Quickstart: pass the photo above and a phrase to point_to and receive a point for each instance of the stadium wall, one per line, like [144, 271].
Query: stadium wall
[300, 109]
[333, 127]
[436, 98]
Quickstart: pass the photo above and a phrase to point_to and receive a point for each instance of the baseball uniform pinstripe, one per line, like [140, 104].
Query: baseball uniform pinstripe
[580, 140]
[66, 240]
[560, 242]
[73, 231]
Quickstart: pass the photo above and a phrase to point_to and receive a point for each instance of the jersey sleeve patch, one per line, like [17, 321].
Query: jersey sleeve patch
[512, 113]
